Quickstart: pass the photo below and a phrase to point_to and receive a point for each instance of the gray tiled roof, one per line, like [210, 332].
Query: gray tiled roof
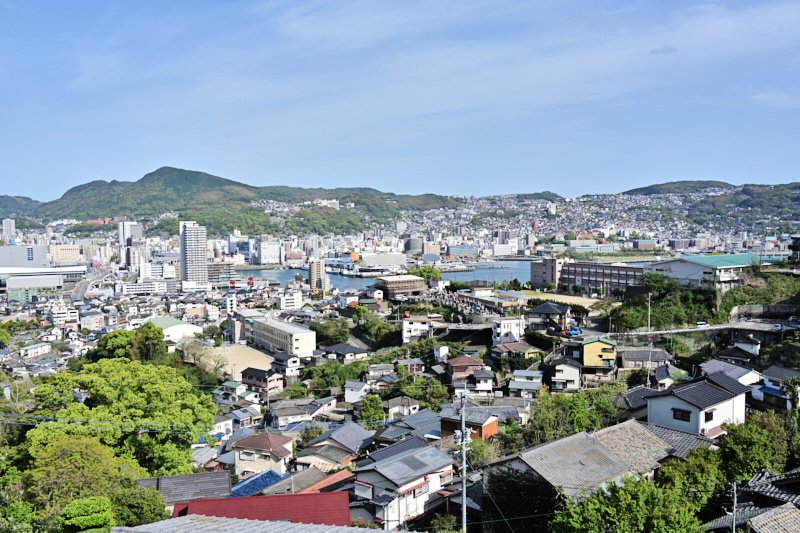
[779, 372]
[644, 354]
[729, 369]
[190, 487]
[576, 464]
[472, 415]
[351, 436]
[420, 424]
[635, 445]
[743, 514]
[296, 481]
[701, 394]
[682, 443]
[410, 465]
[783, 519]
[216, 524]
[402, 446]
[728, 383]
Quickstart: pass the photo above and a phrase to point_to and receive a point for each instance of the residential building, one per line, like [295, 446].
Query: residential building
[194, 252]
[400, 407]
[480, 423]
[701, 406]
[631, 357]
[404, 486]
[345, 353]
[277, 335]
[418, 327]
[175, 330]
[287, 365]
[458, 368]
[771, 392]
[186, 487]
[246, 417]
[35, 350]
[263, 451]
[290, 300]
[355, 391]
[525, 383]
[317, 277]
[424, 424]
[267, 383]
[289, 412]
[509, 329]
[550, 315]
[9, 229]
[335, 449]
[563, 375]
[744, 375]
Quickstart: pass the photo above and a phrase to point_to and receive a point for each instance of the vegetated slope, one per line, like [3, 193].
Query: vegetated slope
[755, 206]
[17, 205]
[680, 187]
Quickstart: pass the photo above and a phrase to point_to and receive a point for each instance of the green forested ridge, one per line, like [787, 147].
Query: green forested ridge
[190, 192]
[680, 187]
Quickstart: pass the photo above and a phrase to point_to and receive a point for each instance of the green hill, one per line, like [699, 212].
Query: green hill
[221, 203]
[680, 187]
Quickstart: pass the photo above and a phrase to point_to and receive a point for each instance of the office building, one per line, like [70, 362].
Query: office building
[545, 274]
[9, 228]
[129, 230]
[406, 284]
[584, 276]
[194, 252]
[24, 257]
[278, 336]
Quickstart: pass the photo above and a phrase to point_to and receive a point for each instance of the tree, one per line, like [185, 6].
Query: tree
[359, 313]
[118, 343]
[371, 415]
[147, 412]
[697, 478]
[427, 272]
[482, 452]
[309, 433]
[144, 344]
[16, 514]
[94, 512]
[635, 505]
[758, 444]
[445, 523]
[135, 506]
[5, 337]
[331, 331]
[72, 467]
[149, 342]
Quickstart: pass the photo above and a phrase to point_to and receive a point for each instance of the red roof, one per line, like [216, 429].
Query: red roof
[328, 508]
[271, 442]
[464, 360]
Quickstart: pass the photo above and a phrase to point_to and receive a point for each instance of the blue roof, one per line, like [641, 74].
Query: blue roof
[255, 483]
[773, 391]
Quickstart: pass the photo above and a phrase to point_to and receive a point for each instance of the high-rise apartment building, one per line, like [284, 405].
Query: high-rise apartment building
[194, 252]
[128, 229]
[317, 278]
[9, 228]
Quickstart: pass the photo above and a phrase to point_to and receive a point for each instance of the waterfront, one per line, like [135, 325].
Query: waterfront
[498, 272]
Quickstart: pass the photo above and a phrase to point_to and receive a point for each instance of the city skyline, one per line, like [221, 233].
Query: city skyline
[469, 99]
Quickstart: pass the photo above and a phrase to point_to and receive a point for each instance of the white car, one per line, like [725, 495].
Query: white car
[777, 327]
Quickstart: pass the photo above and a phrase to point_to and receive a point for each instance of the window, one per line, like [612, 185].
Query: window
[446, 478]
[681, 414]
[247, 456]
[419, 491]
[709, 415]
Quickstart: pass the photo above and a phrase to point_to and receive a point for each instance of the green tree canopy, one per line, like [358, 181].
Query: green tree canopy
[145, 412]
[371, 415]
[72, 467]
[330, 331]
[758, 444]
[94, 512]
[635, 505]
[143, 344]
[136, 506]
[697, 478]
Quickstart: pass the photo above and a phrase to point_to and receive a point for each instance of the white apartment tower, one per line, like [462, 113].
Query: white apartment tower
[9, 228]
[194, 252]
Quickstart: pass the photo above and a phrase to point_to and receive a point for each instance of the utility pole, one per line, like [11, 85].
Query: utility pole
[464, 440]
[733, 527]
[649, 294]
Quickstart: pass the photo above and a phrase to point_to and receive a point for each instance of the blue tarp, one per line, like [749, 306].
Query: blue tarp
[772, 391]
[255, 483]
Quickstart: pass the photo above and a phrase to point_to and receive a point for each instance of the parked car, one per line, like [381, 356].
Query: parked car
[702, 324]
[777, 327]
[574, 331]
[794, 319]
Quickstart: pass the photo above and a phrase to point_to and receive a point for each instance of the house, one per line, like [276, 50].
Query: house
[355, 391]
[633, 403]
[345, 353]
[175, 330]
[549, 314]
[303, 410]
[176, 489]
[401, 487]
[296, 482]
[287, 365]
[424, 424]
[744, 375]
[400, 406]
[377, 371]
[599, 360]
[563, 375]
[330, 509]
[664, 376]
[701, 406]
[419, 327]
[508, 329]
[232, 392]
[573, 466]
[525, 383]
[514, 349]
[462, 366]
[265, 382]
[642, 357]
[413, 365]
[480, 383]
[253, 485]
[223, 427]
[480, 424]
[741, 351]
[335, 449]
[263, 451]
[246, 417]
[771, 392]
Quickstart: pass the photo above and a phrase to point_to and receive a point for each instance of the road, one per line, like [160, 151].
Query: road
[746, 325]
[79, 292]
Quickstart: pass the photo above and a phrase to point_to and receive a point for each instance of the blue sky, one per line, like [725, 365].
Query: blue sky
[409, 96]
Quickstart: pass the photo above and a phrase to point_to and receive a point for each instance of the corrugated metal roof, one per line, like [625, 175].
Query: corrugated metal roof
[190, 486]
[350, 436]
[410, 465]
[576, 464]
[216, 524]
[729, 369]
[402, 446]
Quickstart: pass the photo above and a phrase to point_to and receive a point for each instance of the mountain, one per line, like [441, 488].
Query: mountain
[680, 187]
[221, 203]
